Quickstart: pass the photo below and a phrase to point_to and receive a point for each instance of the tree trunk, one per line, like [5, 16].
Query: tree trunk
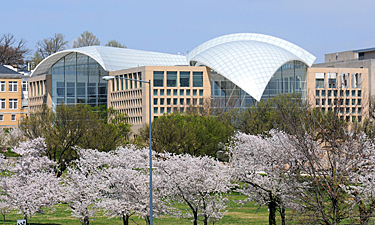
[125, 219]
[205, 221]
[195, 218]
[282, 215]
[147, 220]
[86, 220]
[4, 218]
[272, 207]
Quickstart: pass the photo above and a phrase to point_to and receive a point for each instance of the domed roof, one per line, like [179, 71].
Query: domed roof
[112, 59]
[248, 60]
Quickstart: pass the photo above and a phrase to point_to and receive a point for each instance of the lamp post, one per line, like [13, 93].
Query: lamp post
[107, 78]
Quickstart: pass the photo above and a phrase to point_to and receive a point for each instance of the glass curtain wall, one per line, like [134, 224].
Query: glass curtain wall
[76, 79]
[289, 78]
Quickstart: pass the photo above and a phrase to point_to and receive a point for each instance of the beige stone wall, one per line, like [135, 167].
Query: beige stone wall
[40, 90]
[349, 102]
[12, 117]
[135, 101]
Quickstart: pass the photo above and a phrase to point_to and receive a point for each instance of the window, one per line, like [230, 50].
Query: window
[1, 117]
[344, 78]
[335, 93]
[168, 109]
[155, 101]
[323, 101]
[353, 93]
[329, 93]
[13, 117]
[359, 101]
[155, 92]
[194, 92]
[161, 92]
[187, 92]
[317, 101]
[347, 110]
[2, 86]
[317, 93]
[197, 79]
[347, 93]
[24, 85]
[155, 110]
[158, 79]
[346, 101]
[174, 92]
[353, 110]
[332, 80]
[60, 89]
[162, 101]
[359, 92]
[162, 110]
[329, 101]
[182, 92]
[175, 101]
[323, 93]
[319, 83]
[341, 93]
[168, 92]
[201, 92]
[13, 103]
[356, 80]
[168, 101]
[181, 101]
[184, 79]
[171, 79]
[2, 103]
[353, 101]
[12, 86]
[359, 110]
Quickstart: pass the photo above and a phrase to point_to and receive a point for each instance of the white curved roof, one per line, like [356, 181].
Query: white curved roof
[112, 59]
[248, 60]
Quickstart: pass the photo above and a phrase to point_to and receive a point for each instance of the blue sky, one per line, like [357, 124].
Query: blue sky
[172, 26]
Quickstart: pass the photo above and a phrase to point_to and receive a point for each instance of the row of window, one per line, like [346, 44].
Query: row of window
[13, 117]
[169, 92]
[178, 101]
[119, 83]
[320, 81]
[330, 93]
[342, 110]
[162, 110]
[329, 101]
[13, 103]
[184, 79]
[11, 84]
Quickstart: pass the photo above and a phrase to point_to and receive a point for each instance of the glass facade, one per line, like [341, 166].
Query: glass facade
[289, 78]
[76, 79]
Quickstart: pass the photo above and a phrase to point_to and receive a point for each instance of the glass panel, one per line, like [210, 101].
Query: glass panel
[158, 79]
[197, 79]
[184, 79]
[171, 79]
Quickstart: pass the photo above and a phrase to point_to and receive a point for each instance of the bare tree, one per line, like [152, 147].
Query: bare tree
[49, 46]
[12, 53]
[86, 39]
[114, 43]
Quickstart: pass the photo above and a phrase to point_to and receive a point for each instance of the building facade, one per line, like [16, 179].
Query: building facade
[12, 90]
[173, 88]
[344, 91]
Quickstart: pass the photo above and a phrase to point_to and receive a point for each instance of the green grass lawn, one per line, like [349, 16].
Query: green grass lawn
[237, 214]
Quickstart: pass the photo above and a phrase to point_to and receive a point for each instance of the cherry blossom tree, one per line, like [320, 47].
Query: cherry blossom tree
[200, 182]
[31, 184]
[260, 165]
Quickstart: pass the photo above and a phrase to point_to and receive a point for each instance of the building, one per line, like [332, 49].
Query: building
[13, 89]
[236, 70]
[361, 58]
[342, 90]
